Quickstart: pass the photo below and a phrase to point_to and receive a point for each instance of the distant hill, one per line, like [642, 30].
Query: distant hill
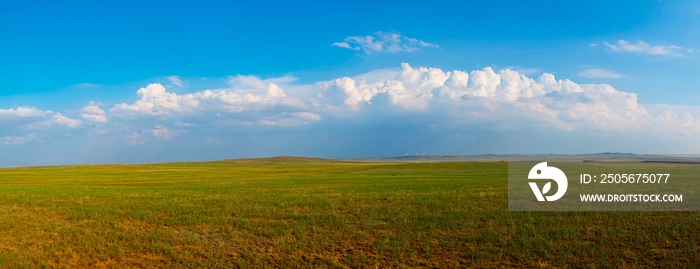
[592, 157]
[281, 159]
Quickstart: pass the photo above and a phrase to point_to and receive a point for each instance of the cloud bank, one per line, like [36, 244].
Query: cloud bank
[506, 96]
[388, 105]
[502, 97]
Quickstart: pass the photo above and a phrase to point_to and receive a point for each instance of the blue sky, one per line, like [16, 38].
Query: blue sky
[151, 81]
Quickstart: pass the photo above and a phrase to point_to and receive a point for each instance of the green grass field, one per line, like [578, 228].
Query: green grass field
[301, 213]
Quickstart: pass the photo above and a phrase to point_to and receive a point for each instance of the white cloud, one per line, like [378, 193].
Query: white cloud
[383, 42]
[18, 140]
[525, 70]
[509, 96]
[23, 112]
[552, 85]
[357, 92]
[92, 112]
[63, 120]
[499, 98]
[34, 118]
[247, 93]
[344, 45]
[291, 119]
[641, 47]
[414, 88]
[599, 73]
[307, 115]
[411, 88]
[484, 83]
[161, 131]
[155, 100]
[175, 80]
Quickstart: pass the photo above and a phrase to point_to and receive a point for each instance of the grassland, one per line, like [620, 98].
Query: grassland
[301, 213]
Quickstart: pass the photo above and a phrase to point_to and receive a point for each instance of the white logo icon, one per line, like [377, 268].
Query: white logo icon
[542, 171]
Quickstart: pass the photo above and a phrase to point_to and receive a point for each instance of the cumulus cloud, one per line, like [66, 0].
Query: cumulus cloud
[501, 98]
[411, 88]
[250, 93]
[155, 100]
[383, 42]
[63, 120]
[599, 73]
[508, 95]
[92, 112]
[644, 48]
[415, 88]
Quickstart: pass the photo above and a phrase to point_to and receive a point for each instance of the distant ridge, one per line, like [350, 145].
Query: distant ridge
[676, 162]
[281, 159]
[586, 157]
[590, 157]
